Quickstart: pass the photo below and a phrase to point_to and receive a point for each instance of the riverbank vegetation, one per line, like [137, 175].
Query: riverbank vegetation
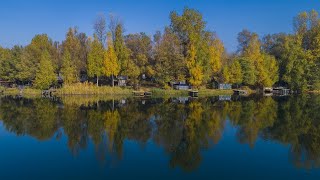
[184, 51]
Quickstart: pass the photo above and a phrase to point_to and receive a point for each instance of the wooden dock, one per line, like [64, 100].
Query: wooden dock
[193, 93]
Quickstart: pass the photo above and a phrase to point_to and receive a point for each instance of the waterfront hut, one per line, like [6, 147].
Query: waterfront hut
[193, 93]
[121, 81]
[223, 86]
[182, 85]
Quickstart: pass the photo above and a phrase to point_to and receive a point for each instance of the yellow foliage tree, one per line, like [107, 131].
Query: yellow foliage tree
[235, 73]
[216, 51]
[111, 64]
[195, 69]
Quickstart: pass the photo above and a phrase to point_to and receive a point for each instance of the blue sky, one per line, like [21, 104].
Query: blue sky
[20, 20]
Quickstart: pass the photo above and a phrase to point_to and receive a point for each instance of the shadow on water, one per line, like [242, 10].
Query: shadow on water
[182, 127]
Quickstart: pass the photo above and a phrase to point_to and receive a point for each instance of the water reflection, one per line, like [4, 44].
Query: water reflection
[183, 127]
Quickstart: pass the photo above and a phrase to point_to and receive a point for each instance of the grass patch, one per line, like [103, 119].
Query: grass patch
[91, 89]
[24, 92]
[202, 92]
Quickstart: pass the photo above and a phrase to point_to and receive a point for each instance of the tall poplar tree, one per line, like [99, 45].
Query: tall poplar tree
[120, 48]
[95, 59]
[68, 69]
[111, 64]
[45, 75]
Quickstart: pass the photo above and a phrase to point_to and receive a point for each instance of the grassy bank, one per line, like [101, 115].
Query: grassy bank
[27, 92]
[88, 89]
[202, 92]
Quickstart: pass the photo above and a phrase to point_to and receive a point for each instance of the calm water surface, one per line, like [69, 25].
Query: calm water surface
[161, 138]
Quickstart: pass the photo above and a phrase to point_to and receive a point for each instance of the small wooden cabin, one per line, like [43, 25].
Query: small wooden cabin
[222, 86]
[121, 81]
[181, 86]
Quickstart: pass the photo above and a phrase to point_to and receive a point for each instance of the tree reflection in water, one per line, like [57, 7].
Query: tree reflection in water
[182, 128]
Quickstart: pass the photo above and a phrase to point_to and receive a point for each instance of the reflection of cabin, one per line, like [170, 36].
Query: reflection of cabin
[180, 100]
[224, 98]
[193, 93]
[121, 81]
[267, 90]
[7, 84]
[281, 91]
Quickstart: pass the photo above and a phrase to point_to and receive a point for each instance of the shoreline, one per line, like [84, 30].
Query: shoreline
[107, 91]
[112, 91]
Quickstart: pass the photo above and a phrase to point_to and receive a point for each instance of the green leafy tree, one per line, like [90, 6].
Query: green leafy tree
[31, 55]
[140, 50]
[120, 48]
[45, 75]
[68, 70]
[235, 73]
[169, 61]
[76, 44]
[9, 59]
[248, 72]
[95, 59]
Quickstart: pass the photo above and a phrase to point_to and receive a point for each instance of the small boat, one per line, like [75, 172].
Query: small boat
[147, 93]
[240, 92]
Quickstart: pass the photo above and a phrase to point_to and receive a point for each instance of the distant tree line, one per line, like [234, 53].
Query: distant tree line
[184, 51]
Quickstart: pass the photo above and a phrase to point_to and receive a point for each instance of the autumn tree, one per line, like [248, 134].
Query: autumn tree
[96, 59]
[140, 46]
[217, 51]
[9, 59]
[76, 44]
[121, 50]
[30, 57]
[265, 66]
[111, 64]
[45, 75]
[68, 70]
[235, 73]
[195, 68]
[169, 61]
[189, 27]
[225, 74]
[248, 71]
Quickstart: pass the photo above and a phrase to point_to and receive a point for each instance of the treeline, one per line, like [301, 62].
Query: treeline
[184, 51]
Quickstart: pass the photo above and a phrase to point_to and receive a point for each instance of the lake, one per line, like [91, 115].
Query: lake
[160, 138]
